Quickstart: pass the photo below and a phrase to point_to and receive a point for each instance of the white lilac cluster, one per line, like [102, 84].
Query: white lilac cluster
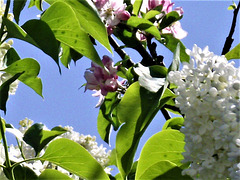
[209, 97]
[4, 47]
[87, 141]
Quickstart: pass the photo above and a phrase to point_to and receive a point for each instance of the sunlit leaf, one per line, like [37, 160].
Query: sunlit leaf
[137, 6]
[18, 6]
[74, 158]
[37, 3]
[64, 23]
[144, 25]
[160, 155]
[38, 138]
[50, 174]
[4, 89]
[136, 110]
[31, 69]
[171, 43]
[174, 123]
[234, 53]
[151, 14]
[89, 20]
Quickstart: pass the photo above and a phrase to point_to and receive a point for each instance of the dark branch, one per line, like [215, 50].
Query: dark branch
[229, 39]
[120, 52]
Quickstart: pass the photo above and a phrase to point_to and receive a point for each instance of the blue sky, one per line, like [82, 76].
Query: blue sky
[207, 23]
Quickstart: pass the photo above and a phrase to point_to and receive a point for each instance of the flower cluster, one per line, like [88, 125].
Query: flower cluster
[87, 141]
[4, 47]
[167, 6]
[209, 97]
[102, 80]
[112, 12]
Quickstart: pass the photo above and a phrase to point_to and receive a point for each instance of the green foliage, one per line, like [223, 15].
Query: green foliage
[38, 138]
[65, 24]
[18, 6]
[234, 53]
[176, 60]
[137, 6]
[50, 174]
[169, 18]
[3, 124]
[136, 110]
[88, 18]
[31, 69]
[21, 172]
[35, 32]
[151, 14]
[161, 155]
[171, 43]
[174, 123]
[11, 56]
[144, 25]
[74, 158]
[37, 3]
[4, 89]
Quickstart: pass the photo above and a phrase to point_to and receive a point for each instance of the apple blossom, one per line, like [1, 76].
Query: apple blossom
[104, 79]
[112, 12]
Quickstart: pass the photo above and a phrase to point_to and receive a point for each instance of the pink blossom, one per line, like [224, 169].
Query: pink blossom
[154, 3]
[176, 30]
[103, 79]
[100, 3]
[112, 12]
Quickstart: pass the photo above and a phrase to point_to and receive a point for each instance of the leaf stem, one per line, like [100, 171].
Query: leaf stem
[7, 160]
[5, 15]
[229, 39]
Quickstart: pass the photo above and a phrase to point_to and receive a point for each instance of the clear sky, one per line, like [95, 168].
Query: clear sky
[207, 23]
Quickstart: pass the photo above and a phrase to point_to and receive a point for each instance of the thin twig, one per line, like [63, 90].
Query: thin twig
[229, 39]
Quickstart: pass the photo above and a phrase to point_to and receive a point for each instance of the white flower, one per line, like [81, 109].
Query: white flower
[146, 80]
[209, 97]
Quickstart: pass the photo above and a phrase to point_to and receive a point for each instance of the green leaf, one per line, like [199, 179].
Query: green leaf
[174, 123]
[31, 69]
[89, 20]
[65, 56]
[176, 60]
[144, 25]
[15, 31]
[74, 158]
[160, 154]
[37, 3]
[234, 53]
[151, 14]
[18, 6]
[50, 174]
[137, 6]
[38, 138]
[21, 172]
[11, 56]
[107, 116]
[4, 88]
[103, 127]
[37, 33]
[171, 43]
[136, 110]
[41, 33]
[169, 18]
[64, 22]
